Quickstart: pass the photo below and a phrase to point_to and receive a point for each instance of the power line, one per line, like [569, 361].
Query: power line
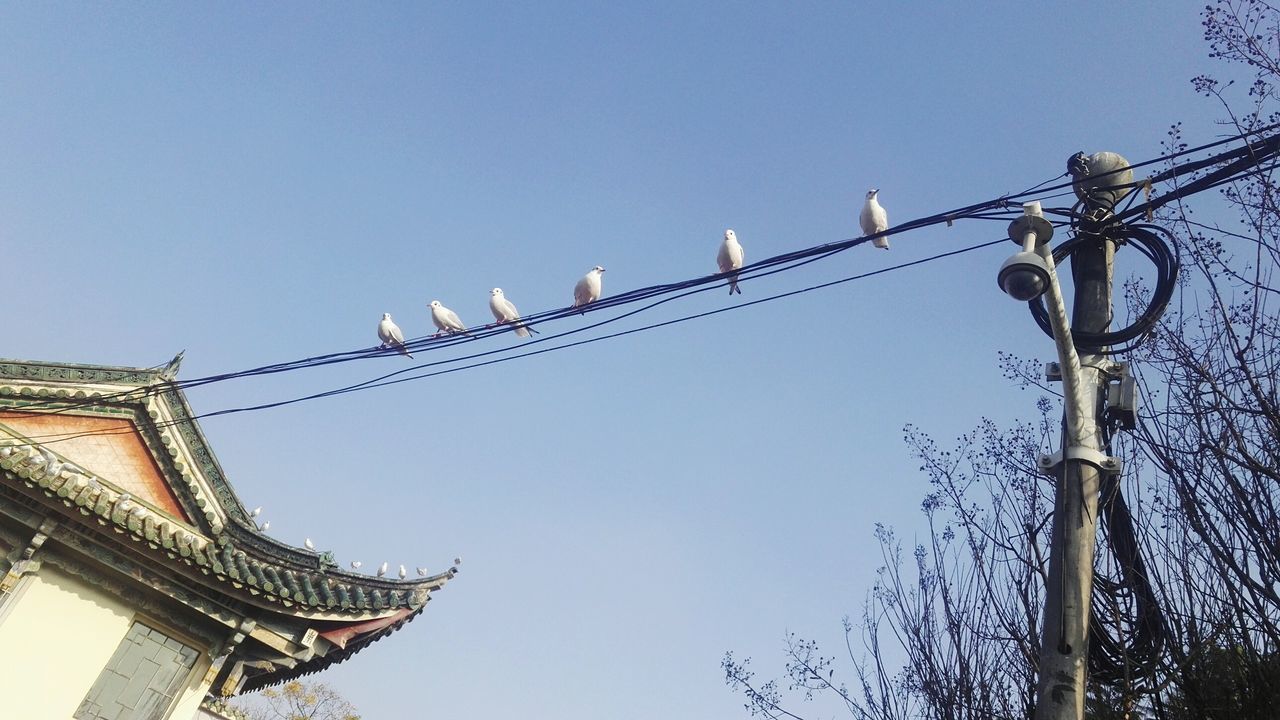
[993, 209]
[387, 379]
[1238, 161]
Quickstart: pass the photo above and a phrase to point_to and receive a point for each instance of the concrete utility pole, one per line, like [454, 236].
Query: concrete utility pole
[1064, 646]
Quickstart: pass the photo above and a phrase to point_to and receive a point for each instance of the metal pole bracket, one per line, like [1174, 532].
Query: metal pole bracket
[1106, 464]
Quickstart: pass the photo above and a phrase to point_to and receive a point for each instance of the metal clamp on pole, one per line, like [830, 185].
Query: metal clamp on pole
[1106, 464]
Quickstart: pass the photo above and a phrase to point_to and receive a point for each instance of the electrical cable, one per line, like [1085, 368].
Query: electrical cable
[1164, 256]
[989, 209]
[386, 380]
[1124, 652]
[424, 343]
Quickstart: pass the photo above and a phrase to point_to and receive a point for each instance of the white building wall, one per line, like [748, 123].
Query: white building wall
[56, 636]
[57, 633]
[189, 704]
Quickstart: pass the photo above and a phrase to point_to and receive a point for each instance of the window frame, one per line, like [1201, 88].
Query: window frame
[174, 690]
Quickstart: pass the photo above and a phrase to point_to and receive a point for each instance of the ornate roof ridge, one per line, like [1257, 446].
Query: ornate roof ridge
[226, 544]
[309, 589]
[78, 372]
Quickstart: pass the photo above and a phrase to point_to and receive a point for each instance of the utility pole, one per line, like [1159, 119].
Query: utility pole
[1064, 645]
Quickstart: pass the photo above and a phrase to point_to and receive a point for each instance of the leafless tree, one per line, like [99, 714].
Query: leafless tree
[1187, 598]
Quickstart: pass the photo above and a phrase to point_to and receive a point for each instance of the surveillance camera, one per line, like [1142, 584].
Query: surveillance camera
[1024, 276]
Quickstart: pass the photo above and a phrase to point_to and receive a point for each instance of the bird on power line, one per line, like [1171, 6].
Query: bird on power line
[446, 320]
[730, 258]
[505, 312]
[390, 335]
[588, 288]
[382, 569]
[874, 219]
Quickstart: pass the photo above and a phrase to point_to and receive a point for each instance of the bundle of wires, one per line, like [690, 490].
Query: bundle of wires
[1258, 150]
[1147, 239]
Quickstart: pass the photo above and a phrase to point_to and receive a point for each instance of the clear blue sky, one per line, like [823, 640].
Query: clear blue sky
[258, 182]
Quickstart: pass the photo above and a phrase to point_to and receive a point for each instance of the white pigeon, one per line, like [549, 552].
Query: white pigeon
[505, 312]
[266, 526]
[730, 258]
[874, 219]
[446, 320]
[355, 564]
[402, 572]
[256, 511]
[422, 572]
[588, 288]
[390, 335]
[382, 569]
[310, 545]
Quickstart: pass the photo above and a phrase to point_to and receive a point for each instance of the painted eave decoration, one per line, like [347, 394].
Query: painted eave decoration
[119, 447]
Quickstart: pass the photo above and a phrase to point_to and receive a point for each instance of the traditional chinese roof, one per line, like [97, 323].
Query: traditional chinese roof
[119, 448]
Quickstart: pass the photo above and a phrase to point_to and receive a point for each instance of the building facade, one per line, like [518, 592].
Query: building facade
[133, 581]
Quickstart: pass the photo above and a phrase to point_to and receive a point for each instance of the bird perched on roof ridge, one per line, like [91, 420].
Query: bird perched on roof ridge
[307, 542]
[874, 219]
[730, 258]
[52, 465]
[382, 569]
[355, 564]
[256, 511]
[588, 288]
[422, 572]
[390, 335]
[402, 573]
[265, 526]
[446, 320]
[505, 312]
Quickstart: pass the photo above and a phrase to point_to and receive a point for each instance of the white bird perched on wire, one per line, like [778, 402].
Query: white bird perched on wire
[390, 335]
[256, 511]
[403, 573]
[382, 569]
[307, 542]
[588, 288]
[505, 312]
[874, 219]
[446, 320]
[355, 564]
[730, 258]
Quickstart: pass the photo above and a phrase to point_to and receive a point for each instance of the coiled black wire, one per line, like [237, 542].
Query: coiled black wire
[1150, 241]
[1128, 631]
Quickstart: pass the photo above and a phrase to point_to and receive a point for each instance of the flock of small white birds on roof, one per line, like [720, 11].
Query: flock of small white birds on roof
[355, 564]
[872, 219]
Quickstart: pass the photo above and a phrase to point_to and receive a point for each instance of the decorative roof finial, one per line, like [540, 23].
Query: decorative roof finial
[170, 371]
